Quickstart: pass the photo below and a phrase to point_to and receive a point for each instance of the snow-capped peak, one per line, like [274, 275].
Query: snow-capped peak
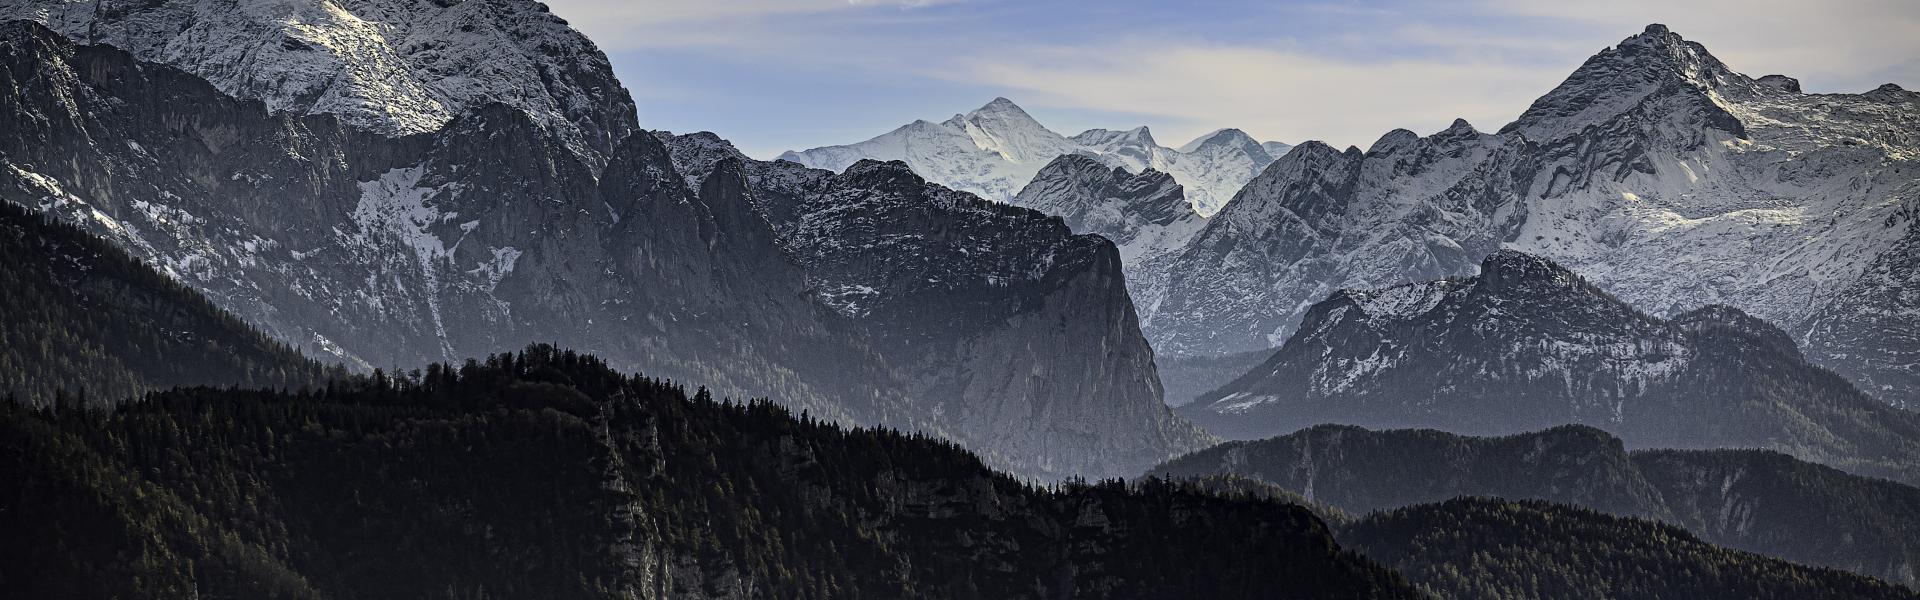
[1140, 136]
[1004, 128]
[995, 150]
[391, 66]
[1220, 137]
[1637, 75]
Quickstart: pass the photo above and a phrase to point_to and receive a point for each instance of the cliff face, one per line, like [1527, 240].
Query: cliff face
[382, 251]
[1018, 334]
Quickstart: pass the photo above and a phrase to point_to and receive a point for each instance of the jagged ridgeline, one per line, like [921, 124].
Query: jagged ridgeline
[85, 323]
[1653, 169]
[545, 474]
[1528, 344]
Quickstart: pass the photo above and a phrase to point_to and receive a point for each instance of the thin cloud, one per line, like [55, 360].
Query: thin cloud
[1282, 95]
[1833, 46]
[1339, 71]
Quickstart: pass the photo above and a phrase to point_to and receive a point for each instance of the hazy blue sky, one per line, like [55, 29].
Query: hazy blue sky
[773, 75]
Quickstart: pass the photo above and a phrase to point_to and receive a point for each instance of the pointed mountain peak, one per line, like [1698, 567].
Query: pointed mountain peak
[1654, 68]
[1228, 137]
[1459, 125]
[1142, 134]
[1001, 108]
[1394, 140]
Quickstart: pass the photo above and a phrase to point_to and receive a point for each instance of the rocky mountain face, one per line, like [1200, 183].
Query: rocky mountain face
[1143, 214]
[1320, 220]
[1527, 344]
[996, 150]
[1750, 500]
[1016, 332]
[383, 251]
[396, 67]
[1653, 170]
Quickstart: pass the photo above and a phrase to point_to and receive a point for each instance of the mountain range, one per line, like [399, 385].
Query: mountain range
[1654, 170]
[996, 150]
[379, 250]
[918, 365]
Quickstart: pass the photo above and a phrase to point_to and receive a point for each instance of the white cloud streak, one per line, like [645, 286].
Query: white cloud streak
[1288, 96]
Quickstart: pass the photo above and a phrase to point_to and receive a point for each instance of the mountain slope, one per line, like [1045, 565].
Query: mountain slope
[995, 150]
[577, 478]
[379, 251]
[1144, 214]
[1750, 500]
[1527, 345]
[393, 66]
[1654, 170]
[81, 318]
[1017, 332]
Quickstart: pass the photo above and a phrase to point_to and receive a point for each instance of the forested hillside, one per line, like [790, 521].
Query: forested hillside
[546, 475]
[1490, 548]
[81, 319]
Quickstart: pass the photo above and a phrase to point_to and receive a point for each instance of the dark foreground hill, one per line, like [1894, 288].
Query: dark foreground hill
[1489, 548]
[545, 474]
[1753, 500]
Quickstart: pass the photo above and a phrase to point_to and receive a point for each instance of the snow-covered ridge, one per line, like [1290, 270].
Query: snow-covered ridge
[393, 66]
[1653, 170]
[994, 151]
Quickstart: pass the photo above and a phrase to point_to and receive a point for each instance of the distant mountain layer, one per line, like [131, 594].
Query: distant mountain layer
[589, 484]
[1527, 345]
[1144, 214]
[995, 151]
[83, 320]
[1489, 548]
[1653, 170]
[1751, 500]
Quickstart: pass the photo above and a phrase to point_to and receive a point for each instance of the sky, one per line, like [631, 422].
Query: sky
[775, 75]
